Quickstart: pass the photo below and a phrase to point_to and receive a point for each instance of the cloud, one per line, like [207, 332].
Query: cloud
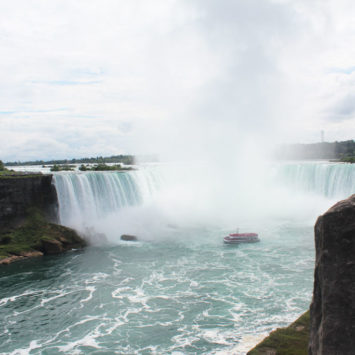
[172, 77]
[345, 109]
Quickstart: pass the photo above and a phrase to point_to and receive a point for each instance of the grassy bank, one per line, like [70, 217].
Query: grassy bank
[292, 340]
[10, 174]
[35, 236]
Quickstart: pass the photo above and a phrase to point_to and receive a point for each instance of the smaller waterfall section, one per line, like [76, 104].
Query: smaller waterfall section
[332, 180]
[86, 197]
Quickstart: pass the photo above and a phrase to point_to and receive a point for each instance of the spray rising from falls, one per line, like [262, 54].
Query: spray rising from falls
[149, 201]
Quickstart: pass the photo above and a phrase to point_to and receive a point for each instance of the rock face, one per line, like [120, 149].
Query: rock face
[11, 259]
[128, 237]
[333, 306]
[19, 193]
[37, 237]
[59, 239]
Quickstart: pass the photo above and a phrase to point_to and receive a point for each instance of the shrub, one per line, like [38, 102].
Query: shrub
[55, 168]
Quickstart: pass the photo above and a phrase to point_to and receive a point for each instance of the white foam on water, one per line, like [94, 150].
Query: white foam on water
[26, 351]
[91, 290]
[88, 340]
[5, 300]
[246, 343]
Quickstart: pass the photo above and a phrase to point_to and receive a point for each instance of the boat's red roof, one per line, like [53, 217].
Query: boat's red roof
[243, 235]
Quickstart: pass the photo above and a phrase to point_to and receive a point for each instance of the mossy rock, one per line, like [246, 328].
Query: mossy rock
[292, 340]
[128, 237]
[36, 234]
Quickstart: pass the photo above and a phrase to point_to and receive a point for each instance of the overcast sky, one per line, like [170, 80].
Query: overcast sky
[100, 77]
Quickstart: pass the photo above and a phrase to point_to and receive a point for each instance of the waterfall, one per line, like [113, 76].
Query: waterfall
[142, 201]
[88, 196]
[333, 180]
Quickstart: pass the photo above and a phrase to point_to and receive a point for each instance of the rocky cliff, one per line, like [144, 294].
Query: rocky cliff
[28, 205]
[18, 193]
[333, 306]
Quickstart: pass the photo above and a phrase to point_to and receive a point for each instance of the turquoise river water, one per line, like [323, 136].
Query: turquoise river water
[179, 290]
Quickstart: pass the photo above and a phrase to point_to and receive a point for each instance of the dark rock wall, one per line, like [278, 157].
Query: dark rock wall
[18, 194]
[333, 306]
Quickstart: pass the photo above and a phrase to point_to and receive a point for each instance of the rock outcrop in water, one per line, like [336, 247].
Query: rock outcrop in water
[333, 305]
[22, 191]
[128, 237]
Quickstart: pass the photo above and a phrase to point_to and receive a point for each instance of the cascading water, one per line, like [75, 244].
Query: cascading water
[85, 197]
[333, 180]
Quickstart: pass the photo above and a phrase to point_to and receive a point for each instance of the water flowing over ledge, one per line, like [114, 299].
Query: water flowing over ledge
[89, 196]
[334, 180]
[92, 196]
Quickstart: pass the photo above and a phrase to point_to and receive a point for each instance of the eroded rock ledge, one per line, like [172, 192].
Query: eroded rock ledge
[36, 237]
[28, 205]
[19, 192]
[333, 305]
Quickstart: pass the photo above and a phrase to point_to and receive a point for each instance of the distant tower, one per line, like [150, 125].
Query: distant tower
[322, 136]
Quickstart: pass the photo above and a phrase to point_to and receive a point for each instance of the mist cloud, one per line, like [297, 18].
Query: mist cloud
[172, 77]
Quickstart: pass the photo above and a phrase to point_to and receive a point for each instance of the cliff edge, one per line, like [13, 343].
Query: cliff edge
[331, 323]
[19, 192]
[28, 205]
[332, 329]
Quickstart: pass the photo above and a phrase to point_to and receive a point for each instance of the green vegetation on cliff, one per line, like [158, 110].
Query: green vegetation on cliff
[6, 173]
[35, 234]
[64, 167]
[341, 151]
[292, 340]
[104, 167]
[10, 174]
[125, 159]
[348, 159]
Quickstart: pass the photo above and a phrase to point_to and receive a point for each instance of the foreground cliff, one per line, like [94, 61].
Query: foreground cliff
[333, 305]
[330, 328]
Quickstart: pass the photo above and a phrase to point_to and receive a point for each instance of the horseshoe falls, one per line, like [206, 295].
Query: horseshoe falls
[179, 289]
[333, 180]
[90, 196]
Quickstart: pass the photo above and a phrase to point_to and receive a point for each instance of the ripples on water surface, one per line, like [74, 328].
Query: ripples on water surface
[194, 295]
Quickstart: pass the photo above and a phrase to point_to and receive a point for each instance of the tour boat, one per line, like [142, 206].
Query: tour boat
[235, 238]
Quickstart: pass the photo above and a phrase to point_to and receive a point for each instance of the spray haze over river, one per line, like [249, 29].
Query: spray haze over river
[178, 290]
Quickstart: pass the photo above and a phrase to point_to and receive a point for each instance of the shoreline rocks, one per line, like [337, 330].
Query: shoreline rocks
[289, 340]
[28, 203]
[37, 237]
[25, 255]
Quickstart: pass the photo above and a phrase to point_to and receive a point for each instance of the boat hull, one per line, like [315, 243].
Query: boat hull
[238, 238]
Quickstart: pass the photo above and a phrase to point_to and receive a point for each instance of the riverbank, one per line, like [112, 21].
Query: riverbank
[36, 237]
[292, 340]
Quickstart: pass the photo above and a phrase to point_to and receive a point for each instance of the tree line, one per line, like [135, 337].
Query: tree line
[343, 151]
[124, 159]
